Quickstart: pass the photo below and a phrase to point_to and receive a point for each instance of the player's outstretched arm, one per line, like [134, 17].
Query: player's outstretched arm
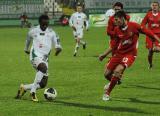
[71, 22]
[106, 53]
[28, 41]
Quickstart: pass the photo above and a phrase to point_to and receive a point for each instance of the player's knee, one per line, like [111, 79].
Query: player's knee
[42, 67]
[117, 74]
[43, 82]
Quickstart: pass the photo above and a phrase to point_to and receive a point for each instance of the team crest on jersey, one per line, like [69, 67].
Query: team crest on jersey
[79, 16]
[42, 34]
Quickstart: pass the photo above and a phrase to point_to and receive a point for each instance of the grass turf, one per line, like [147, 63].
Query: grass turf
[79, 81]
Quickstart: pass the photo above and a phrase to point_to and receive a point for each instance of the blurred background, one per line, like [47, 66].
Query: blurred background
[14, 12]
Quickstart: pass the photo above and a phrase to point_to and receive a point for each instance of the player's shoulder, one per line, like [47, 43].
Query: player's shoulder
[50, 30]
[75, 13]
[33, 29]
[132, 23]
[149, 13]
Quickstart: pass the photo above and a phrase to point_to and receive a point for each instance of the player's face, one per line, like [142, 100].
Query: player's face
[155, 6]
[117, 8]
[79, 9]
[44, 24]
[119, 21]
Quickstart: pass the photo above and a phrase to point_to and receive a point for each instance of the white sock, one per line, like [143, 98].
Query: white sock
[38, 78]
[28, 86]
[76, 47]
[82, 42]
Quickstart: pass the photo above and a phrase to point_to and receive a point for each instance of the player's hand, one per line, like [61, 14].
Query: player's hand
[27, 52]
[58, 50]
[74, 28]
[101, 57]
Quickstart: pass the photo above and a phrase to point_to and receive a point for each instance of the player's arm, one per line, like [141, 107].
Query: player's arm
[144, 21]
[71, 22]
[147, 32]
[28, 42]
[106, 53]
[86, 23]
[57, 45]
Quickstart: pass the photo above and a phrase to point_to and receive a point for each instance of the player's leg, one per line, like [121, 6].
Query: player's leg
[82, 42]
[149, 46]
[150, 58]
[40, 80]
[126, 61]
[77, 46]
[117, 74]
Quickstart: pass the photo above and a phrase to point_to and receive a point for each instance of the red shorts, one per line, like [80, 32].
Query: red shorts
[112, 44]
[149, 43]
[125, 60]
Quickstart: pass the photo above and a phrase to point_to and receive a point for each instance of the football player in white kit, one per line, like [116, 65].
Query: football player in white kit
[43, 39]
[78, 21]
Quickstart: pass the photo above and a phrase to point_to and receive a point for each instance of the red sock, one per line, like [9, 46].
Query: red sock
[112, 85]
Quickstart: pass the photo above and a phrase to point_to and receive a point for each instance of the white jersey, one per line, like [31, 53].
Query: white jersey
[77, 20]
[43, 42]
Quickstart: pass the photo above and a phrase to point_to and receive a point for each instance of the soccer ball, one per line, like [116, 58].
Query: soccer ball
[50, 93]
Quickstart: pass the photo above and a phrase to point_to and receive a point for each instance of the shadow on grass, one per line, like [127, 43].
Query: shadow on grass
[140, 86]
[135, 100]
[106, 108]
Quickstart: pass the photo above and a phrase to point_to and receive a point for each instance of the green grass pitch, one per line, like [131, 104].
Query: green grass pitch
[79, 81]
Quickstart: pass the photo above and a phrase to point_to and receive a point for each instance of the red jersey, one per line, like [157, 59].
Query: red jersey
[112, 25]
[128, 38]
[153, 21]
[23, 18]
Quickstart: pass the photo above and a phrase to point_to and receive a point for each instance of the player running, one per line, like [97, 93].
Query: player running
[43, 39]
[152, 20]
[111, 25]
[127, 34]
[78, 21]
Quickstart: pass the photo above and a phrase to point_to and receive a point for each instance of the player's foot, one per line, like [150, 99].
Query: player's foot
[84, 46]
[75, 54]
[150, 66]
[105, 97]
[34, 97]
[20, 92]
[119, 82]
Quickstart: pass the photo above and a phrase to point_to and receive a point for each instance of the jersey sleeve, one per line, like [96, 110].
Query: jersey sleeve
[71, 20]
[86, 23]
[28, 40]
[144, 30]
[56, 40]
[144, 21]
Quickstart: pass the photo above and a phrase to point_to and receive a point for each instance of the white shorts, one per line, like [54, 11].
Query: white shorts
[37, 60]
[78, 34]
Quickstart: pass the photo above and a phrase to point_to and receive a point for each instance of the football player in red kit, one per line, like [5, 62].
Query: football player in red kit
[152, 20]
[127, 34]
[111, 25]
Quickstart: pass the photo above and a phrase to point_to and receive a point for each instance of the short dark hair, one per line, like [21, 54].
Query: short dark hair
[155, 2]
[43, 17]
[118, 4]
[120, 14]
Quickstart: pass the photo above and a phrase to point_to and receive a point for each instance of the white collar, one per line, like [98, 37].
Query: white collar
[125, 28]
[155, 14]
